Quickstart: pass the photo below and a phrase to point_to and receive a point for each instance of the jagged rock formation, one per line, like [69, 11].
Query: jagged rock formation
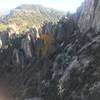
[61, 64]
[89, 17]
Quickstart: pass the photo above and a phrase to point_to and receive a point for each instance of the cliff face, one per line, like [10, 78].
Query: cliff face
[62, 64]
[89, 17]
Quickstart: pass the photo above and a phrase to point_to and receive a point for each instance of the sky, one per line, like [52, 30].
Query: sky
[64, 5]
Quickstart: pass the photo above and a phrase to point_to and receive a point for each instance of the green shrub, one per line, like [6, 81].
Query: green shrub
[3, 27]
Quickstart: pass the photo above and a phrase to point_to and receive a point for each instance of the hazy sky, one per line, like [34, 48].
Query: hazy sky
[65, 5]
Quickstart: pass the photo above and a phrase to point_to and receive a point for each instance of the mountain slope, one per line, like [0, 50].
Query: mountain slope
[70, 68]
[30, 15]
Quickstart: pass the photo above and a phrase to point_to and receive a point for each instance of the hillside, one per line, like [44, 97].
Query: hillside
[26, 16]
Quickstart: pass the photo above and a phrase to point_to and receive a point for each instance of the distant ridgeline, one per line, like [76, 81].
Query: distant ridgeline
[25, 16]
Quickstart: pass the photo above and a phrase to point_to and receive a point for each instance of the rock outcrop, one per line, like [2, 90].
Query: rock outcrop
[89, 17]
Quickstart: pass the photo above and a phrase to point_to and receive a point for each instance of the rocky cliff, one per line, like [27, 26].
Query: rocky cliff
[62, 63]
[89, 17]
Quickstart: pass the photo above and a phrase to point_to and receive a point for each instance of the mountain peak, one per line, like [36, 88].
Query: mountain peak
[32, 15]
[29, 6]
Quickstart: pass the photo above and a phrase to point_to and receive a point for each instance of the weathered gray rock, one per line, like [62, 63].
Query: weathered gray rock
[70, 70]
[26, 46]
[89, 15]
[18, 58]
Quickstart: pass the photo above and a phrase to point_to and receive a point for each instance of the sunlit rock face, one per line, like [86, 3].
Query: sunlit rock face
[89, 17]
[4, 39]
[0, 43]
